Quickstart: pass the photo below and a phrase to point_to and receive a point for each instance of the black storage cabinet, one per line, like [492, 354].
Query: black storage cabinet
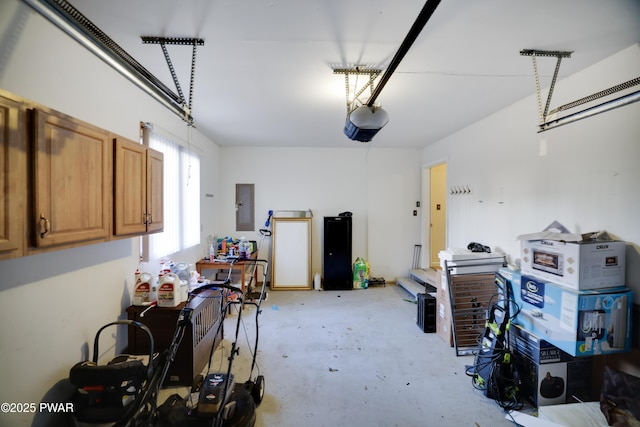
[337, 269]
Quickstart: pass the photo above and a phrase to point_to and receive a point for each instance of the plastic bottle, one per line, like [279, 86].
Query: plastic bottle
[137, 290]
[143, 290]
[169, 290]
[184, 290]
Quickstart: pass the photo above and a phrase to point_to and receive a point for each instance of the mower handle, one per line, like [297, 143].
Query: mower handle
[226, 285]
[128, 323]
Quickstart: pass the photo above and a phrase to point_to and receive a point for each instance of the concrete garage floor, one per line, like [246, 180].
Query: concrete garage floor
[354, 358]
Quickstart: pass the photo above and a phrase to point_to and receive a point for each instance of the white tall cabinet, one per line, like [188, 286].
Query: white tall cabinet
[291, 250]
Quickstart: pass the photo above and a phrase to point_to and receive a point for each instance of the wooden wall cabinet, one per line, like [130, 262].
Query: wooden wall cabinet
[138, 188]
[13, 177]
[57, 185]
[71, 168]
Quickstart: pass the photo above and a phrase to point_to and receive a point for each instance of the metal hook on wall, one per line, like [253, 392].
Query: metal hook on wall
[459, 190]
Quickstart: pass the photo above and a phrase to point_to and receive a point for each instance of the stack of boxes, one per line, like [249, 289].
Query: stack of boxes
[573, 304]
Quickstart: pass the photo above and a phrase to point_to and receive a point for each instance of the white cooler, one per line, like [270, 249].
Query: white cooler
[472, 262]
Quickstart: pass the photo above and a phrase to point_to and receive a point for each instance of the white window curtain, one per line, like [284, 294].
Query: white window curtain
[190, 206]
[181, 198]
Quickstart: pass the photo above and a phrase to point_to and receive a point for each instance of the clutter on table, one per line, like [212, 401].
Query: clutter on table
[222, 248]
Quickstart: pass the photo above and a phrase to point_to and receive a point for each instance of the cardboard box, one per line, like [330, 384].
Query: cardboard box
[538, 350]
[555, 383]
[582, 323]
[576, 261]
[578, 265]
[444, 327]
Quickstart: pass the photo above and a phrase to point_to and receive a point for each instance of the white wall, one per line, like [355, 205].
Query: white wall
[51, 305]
[584, 174]
[379, 186]
[57, 301]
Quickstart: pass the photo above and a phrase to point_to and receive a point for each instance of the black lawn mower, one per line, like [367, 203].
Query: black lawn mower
[124, 392]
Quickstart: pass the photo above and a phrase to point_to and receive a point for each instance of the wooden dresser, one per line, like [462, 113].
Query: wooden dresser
[194, 350]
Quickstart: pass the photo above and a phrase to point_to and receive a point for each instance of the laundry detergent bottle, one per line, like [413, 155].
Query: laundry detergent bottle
[168, 290]
[143, 289]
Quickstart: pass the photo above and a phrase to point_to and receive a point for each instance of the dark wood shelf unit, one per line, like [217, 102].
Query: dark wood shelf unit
[194, 350]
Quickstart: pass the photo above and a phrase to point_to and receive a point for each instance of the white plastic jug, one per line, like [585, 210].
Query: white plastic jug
[184, 290]
[316, 282]
[143, 289]
[169, 290]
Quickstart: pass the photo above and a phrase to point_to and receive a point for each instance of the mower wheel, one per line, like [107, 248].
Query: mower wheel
[257, 392]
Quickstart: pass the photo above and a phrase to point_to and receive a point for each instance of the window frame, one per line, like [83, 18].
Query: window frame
[181, 195]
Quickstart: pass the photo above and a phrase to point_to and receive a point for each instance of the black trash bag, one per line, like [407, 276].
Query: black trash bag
[478, 247]
[173, 412]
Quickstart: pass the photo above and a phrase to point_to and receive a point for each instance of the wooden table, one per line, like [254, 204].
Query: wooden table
[241, 265]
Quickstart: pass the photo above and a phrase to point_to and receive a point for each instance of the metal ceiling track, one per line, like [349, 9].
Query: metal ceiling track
[548, 118]
[415, 30]
[372, 73]
[66, 17]
[424, 16]
[180, 41]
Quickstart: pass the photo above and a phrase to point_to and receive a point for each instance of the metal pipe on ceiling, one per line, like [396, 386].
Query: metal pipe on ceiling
[71, 21]
[591, 111]
[424, 16]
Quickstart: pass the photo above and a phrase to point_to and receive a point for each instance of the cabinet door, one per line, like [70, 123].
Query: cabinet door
[155, 191]
[13, 179]
[130, 187]
[72, 180]
[337, 253]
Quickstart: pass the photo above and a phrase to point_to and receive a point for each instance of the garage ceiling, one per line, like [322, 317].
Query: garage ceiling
[264, 76]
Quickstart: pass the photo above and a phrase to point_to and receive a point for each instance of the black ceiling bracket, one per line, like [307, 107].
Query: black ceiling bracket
[180, 41]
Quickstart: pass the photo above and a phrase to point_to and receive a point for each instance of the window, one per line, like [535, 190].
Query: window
[244, 207]
[181, 198]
